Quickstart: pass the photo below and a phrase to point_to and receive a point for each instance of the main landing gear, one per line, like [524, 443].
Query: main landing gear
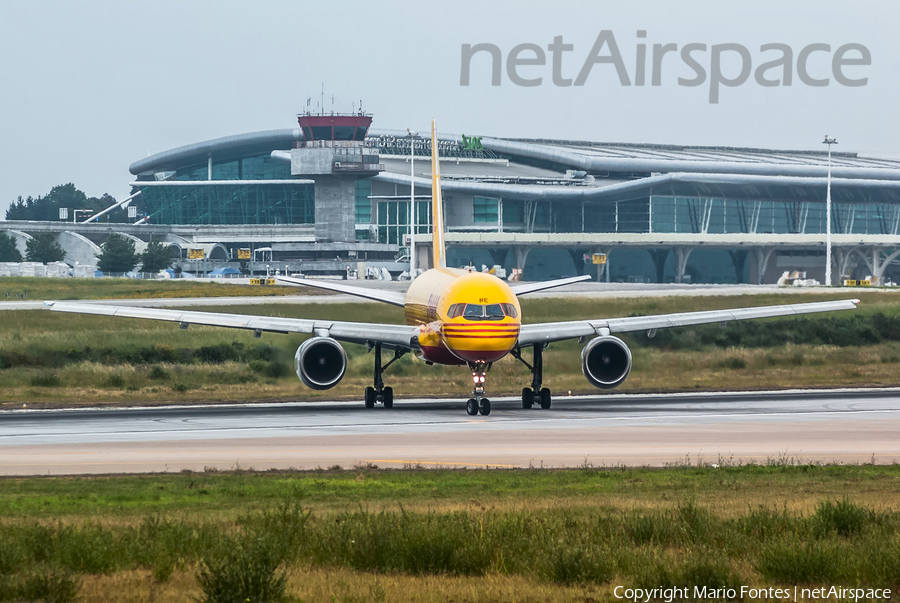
[536, 394]
[380, 393]
[478, 403]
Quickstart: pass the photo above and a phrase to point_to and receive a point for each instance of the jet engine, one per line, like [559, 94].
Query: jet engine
[606, 361]
[320, 362]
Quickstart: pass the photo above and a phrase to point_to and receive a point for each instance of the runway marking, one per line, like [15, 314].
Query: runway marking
[438, 422]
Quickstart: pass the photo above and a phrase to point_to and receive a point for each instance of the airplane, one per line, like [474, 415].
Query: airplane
[455, 317]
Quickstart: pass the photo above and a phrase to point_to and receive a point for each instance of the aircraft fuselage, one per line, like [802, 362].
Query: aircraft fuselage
[464, 317]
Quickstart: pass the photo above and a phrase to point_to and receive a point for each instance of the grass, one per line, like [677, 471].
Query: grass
[372, 535]
[125, 288]
[49, 358]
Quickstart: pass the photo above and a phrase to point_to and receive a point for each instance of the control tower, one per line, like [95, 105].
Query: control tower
[333, 153]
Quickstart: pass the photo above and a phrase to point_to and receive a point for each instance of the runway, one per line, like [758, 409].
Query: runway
[844, 426]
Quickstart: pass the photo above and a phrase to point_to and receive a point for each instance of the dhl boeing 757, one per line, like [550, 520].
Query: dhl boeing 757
[455, 317]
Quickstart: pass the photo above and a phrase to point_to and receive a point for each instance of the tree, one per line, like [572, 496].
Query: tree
[42, 248]
[46, 208]
[158, 257]
[117, 254]
[8, 250]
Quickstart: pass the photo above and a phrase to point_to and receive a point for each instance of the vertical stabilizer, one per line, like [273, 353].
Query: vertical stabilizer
[439, 256]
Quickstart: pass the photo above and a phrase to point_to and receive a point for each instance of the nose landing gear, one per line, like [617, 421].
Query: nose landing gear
[478, 403]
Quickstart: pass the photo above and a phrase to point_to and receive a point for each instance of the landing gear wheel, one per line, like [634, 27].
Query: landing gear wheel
[471, 407]
[389, 397]
[485, 407]
[545, 398]
[370, 397]
[527, 398]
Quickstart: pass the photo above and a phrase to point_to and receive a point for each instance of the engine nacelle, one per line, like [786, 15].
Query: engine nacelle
[606, 361]
[320, 362]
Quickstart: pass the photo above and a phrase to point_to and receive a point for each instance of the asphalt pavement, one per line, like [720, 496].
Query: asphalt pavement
[844, 426]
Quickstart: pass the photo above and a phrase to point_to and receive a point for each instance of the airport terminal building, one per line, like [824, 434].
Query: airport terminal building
[334, 193]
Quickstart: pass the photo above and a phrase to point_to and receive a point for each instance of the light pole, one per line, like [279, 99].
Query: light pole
[412, 203]
[829, 142]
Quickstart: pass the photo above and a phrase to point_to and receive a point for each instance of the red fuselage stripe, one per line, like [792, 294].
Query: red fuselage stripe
[465, 332]
[480, 336]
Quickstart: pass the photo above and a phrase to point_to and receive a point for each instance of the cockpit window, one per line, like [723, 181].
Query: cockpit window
[493, 312]
[485, 312]
[510, 310]
[473, 311]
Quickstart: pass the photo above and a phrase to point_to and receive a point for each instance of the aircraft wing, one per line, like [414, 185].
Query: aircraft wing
[524, 288]
[557, 331]
[400, 336]
[391, 297]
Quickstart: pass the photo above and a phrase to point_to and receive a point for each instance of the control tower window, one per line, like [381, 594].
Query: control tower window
[307, 134]
[344, 132]
[322, 132]
[360, 134]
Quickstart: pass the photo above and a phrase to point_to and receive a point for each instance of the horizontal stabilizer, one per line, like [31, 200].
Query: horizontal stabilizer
[389, 297]
[523, 288]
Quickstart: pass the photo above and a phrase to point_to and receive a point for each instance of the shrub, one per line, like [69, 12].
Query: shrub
[734, 362]
[47, 586]
[274, 368]
[578, 565]
[649, 529]
[763, 524]
[802, 564]
[223, 352]
[842, 517]
[707, 574]
[115, 380]
[89, 549]
[45, 380]
[158, 372]
[246, 571]
[841, 331]
[695, 522]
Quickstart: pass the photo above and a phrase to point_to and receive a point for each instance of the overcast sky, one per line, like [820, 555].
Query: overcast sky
[90, 87]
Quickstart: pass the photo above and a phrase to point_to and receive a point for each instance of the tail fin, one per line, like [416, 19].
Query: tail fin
[439, 256]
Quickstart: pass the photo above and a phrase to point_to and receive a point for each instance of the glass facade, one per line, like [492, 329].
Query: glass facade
[699, 215]
[231, 204]
[203, 203]
[734, 216]
[484, 210]
[363, 203]
[393, 220]
[259, 167]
